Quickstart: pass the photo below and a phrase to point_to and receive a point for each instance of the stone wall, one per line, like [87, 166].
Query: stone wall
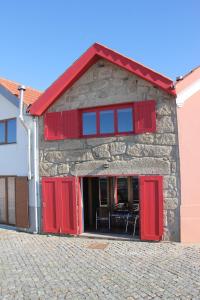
[144, 154]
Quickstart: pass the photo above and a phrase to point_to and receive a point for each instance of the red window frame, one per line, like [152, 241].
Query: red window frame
[97, 110]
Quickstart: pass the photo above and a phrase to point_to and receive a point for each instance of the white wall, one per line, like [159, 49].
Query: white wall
[13, 157]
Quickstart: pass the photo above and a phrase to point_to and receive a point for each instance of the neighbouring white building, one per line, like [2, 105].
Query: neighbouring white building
[18, 158]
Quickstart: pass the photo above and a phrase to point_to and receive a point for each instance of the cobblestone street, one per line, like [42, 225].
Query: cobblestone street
[42, 267]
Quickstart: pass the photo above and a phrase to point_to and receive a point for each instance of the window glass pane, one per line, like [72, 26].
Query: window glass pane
[122, 190]
[2, 132]
[125, 119]
[89, 123]
[103, 191]
[107, 121]
[135, 188]
[11, 131]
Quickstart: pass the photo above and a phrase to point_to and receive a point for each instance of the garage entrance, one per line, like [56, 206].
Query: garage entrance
[118, 204]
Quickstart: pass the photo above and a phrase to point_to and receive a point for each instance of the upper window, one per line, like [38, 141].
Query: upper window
[107, 121]
[8, 131]
[125, 120]
[111, 120]
[117, 119]
[89, 123]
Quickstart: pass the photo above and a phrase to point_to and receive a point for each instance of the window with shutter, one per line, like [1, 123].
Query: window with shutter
[145, 116]
[112, 120]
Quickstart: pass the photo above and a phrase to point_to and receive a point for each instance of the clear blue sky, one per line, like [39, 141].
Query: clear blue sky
[39, 39]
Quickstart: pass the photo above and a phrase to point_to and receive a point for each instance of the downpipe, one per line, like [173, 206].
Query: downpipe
[28, 130]
[36, 173]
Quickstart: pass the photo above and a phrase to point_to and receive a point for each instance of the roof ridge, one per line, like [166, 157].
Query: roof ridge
[191, 71]
[102, 45]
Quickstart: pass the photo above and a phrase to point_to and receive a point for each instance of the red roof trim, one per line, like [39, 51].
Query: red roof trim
[80, 66]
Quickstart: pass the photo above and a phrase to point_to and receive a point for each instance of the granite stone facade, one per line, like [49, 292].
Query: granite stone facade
[142, 154]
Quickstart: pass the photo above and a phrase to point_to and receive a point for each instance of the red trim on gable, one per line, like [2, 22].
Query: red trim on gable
[80, 66]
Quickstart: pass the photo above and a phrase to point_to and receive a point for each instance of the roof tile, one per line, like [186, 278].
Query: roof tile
[30, 95]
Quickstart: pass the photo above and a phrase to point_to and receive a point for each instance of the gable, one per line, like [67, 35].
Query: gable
[188, 87]
[91, 56]
[104, 83]
[8, 96]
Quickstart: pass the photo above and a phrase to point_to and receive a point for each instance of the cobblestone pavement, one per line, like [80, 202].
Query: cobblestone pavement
[42, 267]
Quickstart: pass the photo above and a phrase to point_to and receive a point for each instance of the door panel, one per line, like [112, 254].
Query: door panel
[22, 201]
[68, 219]
[61, 205]
[11, 200]
[151, 208]
[50, 205]
[3, 205]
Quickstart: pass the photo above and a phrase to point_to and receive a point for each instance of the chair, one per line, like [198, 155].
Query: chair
[133, 217]
[132, 220]
[103, 216]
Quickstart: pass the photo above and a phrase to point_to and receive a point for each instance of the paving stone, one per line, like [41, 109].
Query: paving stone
[42, 267]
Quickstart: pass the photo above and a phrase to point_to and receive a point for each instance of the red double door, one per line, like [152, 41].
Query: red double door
[61, 205]
[62, 212]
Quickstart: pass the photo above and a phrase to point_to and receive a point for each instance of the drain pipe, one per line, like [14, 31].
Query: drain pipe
[21, 89]
[28, 130]
[36, 171]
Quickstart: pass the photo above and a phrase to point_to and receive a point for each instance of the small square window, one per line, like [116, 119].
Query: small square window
[11, 131]
[125, 120]
[107, 121]
[2, 132]
[89, 123]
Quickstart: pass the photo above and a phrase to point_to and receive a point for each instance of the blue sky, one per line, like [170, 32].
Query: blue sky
[41, 38]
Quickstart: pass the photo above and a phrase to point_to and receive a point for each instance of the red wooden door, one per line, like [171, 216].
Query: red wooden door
[151, 208]
[69, 205]
[50, 205]
[61, 208]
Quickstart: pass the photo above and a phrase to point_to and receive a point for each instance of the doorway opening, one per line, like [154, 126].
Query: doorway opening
[111, 205]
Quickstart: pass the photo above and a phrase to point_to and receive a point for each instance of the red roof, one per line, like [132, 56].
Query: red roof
[30, 95]
[80, 66]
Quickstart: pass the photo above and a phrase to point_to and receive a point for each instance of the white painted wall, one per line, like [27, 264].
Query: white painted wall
[13, 157]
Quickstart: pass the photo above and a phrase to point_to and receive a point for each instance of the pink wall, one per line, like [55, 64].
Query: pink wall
[189, 147]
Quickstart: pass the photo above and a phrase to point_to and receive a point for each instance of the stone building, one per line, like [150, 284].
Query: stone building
[108, 136]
